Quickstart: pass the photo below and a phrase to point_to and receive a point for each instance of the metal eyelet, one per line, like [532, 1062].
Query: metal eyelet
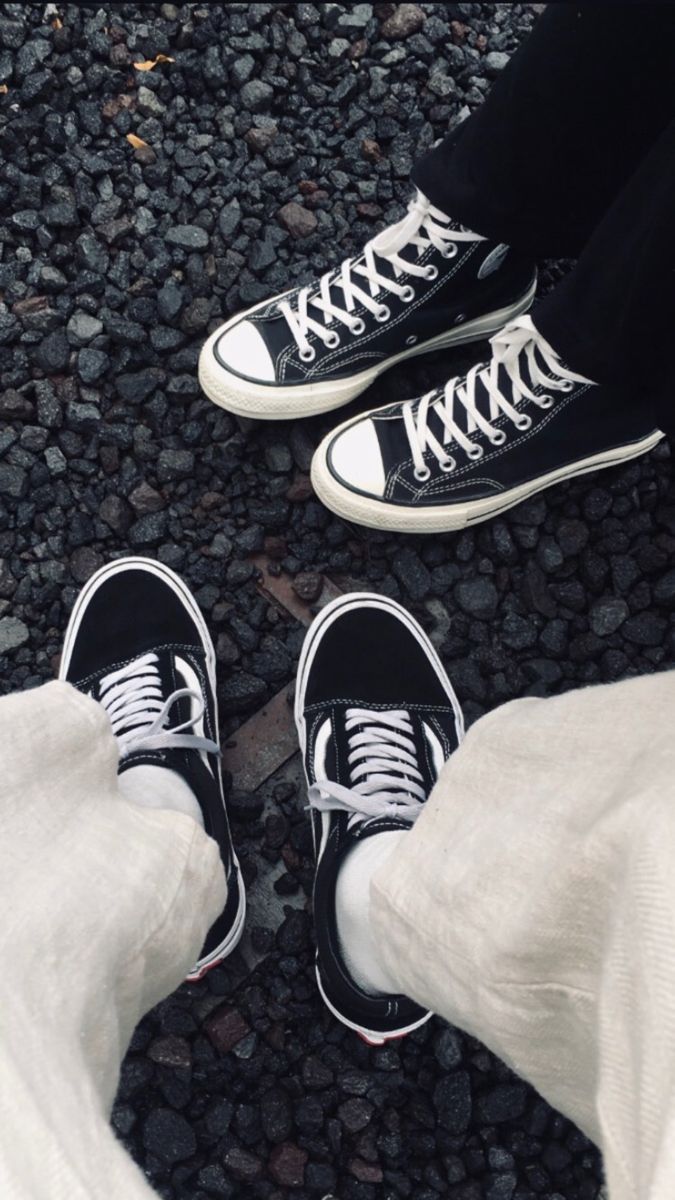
[357, 327]
[475, 453]
[498, 437]
[423, 475]
[449, 251]
[449, 466]
[431, 272]
[308, 354]
[545, 401]
[567, 385]
[332, 340]
[408, 294]
[524, 423]
[382, 314]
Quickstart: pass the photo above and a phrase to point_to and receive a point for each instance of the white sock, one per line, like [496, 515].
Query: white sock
[159, 787]
[352, 905]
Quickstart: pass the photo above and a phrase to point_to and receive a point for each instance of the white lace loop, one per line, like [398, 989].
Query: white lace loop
[385, 778]
[132, 698]
[518, 337]
[314, 311]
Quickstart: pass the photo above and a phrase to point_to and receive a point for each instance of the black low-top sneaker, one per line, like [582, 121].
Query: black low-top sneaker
[377, 718]
[420, 285]
[480, 445]
[137, 643]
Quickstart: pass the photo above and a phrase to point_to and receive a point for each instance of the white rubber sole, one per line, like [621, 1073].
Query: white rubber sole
[185, 596]
[231, 942]
[442, 518]
[310, 645]
[266, 402]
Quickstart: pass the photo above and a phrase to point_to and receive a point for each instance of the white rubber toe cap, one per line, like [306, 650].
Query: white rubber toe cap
[356, 458]
[242, 348]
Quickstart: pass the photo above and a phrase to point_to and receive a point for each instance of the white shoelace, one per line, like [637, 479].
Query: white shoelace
[361, 282]
[132, 698]
[386, 780]
[517, 337]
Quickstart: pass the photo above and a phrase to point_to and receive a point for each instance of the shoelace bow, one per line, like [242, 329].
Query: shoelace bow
[386, 780]
[518, 337]
[362, 283]
[132, 698]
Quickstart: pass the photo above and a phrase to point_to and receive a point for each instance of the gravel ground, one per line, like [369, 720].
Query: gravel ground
[276, 137]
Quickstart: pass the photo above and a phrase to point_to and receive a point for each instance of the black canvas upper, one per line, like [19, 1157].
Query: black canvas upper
[572, 153]
[367, 658]
[132, 613]
[129, 614]
[581, 422]
[457, 295]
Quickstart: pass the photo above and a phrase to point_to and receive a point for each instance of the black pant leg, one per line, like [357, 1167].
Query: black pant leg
[613, 317]
[562, 129]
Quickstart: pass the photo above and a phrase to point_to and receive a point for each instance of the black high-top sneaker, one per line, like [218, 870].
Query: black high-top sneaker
[137, 643]
[479, 445]
[422, 284]
[377, 718]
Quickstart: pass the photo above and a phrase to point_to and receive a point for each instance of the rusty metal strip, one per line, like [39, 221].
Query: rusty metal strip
[262, 744]
[278, 588]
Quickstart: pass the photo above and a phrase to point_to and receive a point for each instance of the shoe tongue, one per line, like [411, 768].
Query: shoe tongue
[382, 244]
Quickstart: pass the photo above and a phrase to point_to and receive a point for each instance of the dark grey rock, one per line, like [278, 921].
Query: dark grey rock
[411, 574]
[506, 1102]
[572, 536]
[13, 633]
[13, 481]
[664, 590]
[477, 597]
[276, 1115]
[518, 632]
[188, 237]
[645, 629]
[496, 61]
[136, 387]
[608, 615]
[53, 352]
[452, 1101]
[148, 530]
[174, 464]
[356, 18]
[90, 254]
[355, 1114]
[448, 1049]
[82, 328]
[242, 69]
[256, 96]
[55, 460]
[92, 365]
[168, 1136]
[229, 218]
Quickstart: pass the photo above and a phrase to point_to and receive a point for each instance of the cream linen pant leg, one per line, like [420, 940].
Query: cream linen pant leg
[533, 905]
[103, 910]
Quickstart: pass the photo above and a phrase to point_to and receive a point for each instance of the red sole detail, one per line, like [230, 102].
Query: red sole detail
[397, 1037]
[204, 971]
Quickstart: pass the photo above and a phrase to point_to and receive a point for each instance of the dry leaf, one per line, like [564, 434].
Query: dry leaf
[150, 63]
[57, 23]
[134, 141]
[4, 89]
